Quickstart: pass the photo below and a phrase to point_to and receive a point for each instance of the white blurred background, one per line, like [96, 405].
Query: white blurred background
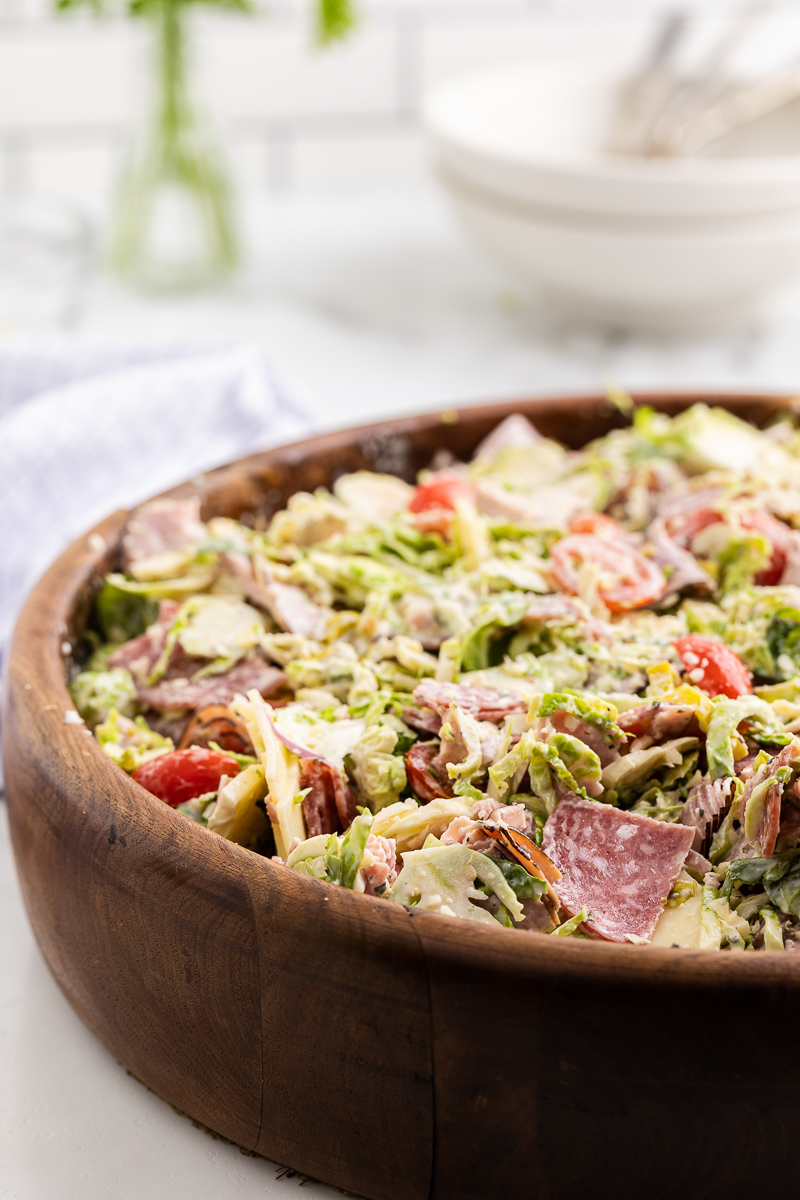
[356, 278]
[294, 117]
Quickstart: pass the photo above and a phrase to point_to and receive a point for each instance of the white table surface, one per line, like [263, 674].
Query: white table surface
[376, 306]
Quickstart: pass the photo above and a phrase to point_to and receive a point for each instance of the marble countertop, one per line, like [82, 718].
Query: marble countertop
[376, 306]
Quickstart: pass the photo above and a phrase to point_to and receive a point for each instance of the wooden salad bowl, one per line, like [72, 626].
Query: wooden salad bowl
[394, 1054]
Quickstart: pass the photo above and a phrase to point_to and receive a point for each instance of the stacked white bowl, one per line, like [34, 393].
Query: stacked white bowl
[636, 242]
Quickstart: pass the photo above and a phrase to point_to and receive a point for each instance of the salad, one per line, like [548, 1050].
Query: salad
[553, 690]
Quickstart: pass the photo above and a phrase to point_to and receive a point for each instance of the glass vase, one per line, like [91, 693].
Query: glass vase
[172, 228]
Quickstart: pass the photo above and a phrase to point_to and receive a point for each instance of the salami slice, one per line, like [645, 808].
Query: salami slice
[705, 807]
[426, 782]
[251, 672]
[769, 825]
[484, 703]
[319, 806]
[422, 719]
[619, 865]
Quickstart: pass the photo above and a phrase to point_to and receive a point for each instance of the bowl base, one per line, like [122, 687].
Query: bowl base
[615, 317]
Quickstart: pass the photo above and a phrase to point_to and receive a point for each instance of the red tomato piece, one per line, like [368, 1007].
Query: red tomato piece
[627, 579]
[713, 667]
[183, 774]
[778, 535]
[685, 527]
[443, 491]
[601, 526]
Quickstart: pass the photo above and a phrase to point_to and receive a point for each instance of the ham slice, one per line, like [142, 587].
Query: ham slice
[140, 654]
[697, 864]
[379, 864]
[550, 608]
[291, 609]
[484, 703]
[604, 746]
[160, 526]
[682, 570]
[288, 605]
[619, 865]
[515, 431]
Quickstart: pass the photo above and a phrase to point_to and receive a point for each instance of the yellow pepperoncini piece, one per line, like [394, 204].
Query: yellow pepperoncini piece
[702, 704]
[662, 679]
[739, 746]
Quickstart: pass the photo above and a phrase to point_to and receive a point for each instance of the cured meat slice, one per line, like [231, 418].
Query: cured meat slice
[289, 606]
[770, 822]
[484, 703]
[706, 805]
[550, 608]
[330, 806]
[426, 782]
[619, 865]
[604, 747]
[160, 526]
[661, 722]
[514, 432]
[697, 864]
[682, 570]
[379, 864]
[141, 653]
[790, 818]
[181, 693]
[791, 567]
[319, 806]
[291, 609]
[422, 719]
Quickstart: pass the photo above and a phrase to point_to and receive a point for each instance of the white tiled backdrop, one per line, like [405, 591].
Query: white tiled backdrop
[72, 86]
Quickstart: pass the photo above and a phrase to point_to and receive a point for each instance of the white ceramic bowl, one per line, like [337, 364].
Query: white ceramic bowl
[643, 242]
[696, 276]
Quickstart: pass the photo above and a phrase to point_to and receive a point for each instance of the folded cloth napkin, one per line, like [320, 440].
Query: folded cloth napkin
[87, 428]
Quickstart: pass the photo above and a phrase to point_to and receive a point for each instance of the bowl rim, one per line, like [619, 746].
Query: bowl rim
[703, 229]
[594, 166]
[457, 939]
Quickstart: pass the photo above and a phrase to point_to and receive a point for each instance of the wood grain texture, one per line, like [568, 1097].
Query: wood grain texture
[398, 1056]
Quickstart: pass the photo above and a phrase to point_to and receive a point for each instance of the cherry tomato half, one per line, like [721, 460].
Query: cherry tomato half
[627, 579]
[713, 667]
[601, 526]
[778, 535]
[183, 774]
[685, 526]
[443, 491]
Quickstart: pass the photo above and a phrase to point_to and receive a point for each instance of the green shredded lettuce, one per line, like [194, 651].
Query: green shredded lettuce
[96, 693]
[571, 927]
[727, 717]
[130, 743]
[379, 774]
[443, 878]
